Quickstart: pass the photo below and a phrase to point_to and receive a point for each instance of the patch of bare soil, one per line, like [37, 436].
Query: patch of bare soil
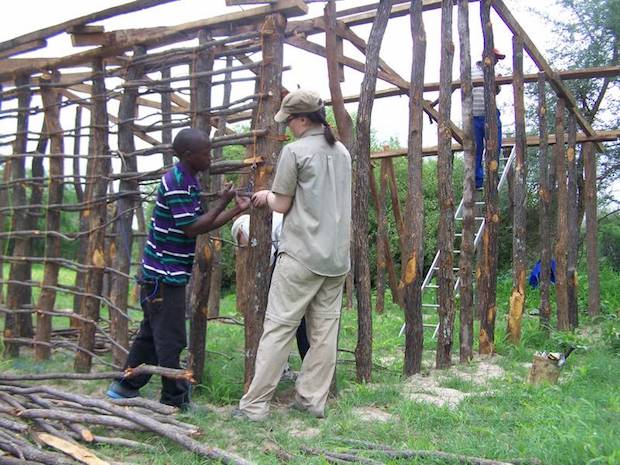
[373, 414]
[428, 387]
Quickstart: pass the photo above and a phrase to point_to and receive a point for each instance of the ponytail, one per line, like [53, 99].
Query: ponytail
[319, 117]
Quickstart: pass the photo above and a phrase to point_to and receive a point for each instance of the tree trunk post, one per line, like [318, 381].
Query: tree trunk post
[96, 213]
[51, 103]
[561, 244]
[489, 253]
[466, 315]
[272, 34]
[594, 291]
[203, 261]
[573, 226]
[544, 213]
[517, 297]
[361, 150]
[445, 241]
[412, 238]
[18, 295]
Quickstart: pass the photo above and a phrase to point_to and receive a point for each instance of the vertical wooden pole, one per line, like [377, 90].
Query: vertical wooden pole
[126, 205]
[272, 38]
[412, 238]
[201, 273]
[343, 120]
[445, 241]
[51, 104]
[166, 115]
[4, 202]
[561, 244]
[361, 149]
[96, 213]
[517, 297]
[78, 183]
[544, 217]
[18, 294]
[215, 293]
[489, 253]
[381, 239]
[594, 291]
[573, 226]
[466, 315]
[398, 218]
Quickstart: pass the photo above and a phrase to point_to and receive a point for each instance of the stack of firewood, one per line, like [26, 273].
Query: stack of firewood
[48, 425]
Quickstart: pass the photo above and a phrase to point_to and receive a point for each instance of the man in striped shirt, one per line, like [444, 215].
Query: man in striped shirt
[478, 112]
[167, 265]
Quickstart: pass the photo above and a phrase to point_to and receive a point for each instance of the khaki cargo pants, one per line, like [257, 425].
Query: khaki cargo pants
[296, 291]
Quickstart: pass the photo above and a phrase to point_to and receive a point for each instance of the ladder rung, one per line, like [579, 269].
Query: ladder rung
[433, 286]
[431, 305]
[453, 269]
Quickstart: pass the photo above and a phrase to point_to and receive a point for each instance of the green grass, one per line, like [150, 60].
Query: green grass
[574, 422]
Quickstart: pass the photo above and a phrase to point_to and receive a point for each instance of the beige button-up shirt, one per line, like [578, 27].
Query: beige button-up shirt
[316, 229]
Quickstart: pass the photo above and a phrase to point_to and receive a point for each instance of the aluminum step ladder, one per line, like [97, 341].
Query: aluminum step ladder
[458, 216]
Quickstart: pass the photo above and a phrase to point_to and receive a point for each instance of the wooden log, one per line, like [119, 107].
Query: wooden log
[76, 451]
[96, 257]
[466, 259]
[544, 217]
[126, 204]
[489, 255]
[573, 226]
[412, 238]
[4, 202]
[361, 153]
[18, 295]
[171, 433]
[82, 20]
[561, 244]
[517, 297]
[203, 262]
[47, 298]
[260, 227]
[445, 240]
[594, 292]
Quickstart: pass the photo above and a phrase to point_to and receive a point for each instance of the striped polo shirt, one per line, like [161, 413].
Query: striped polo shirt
[168, 252]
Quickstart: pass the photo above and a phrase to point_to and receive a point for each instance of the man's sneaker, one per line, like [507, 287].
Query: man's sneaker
[118, 391]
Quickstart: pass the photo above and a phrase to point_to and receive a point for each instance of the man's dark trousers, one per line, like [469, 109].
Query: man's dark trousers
[479, 145]
[160, 340]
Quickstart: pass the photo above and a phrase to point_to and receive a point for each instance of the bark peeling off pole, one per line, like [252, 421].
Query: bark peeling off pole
[487, 292]
[594, 292]
[412, 238]
[517, 297]
[573, 226]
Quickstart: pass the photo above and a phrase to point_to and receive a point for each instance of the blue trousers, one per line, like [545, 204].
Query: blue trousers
[479, 143]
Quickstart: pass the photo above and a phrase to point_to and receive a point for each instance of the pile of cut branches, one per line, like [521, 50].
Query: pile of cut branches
[48, 425]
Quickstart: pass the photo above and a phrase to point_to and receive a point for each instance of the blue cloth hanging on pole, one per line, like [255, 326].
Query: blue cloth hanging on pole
[535, 274]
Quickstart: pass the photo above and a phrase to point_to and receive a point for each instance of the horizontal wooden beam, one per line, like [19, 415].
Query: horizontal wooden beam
[90, 18]
[119, 41]
[531, 141]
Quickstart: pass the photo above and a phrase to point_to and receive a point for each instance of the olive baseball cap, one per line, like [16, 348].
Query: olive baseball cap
[298, 101]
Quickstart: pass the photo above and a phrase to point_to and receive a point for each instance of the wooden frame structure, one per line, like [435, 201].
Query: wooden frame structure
[165, 86]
